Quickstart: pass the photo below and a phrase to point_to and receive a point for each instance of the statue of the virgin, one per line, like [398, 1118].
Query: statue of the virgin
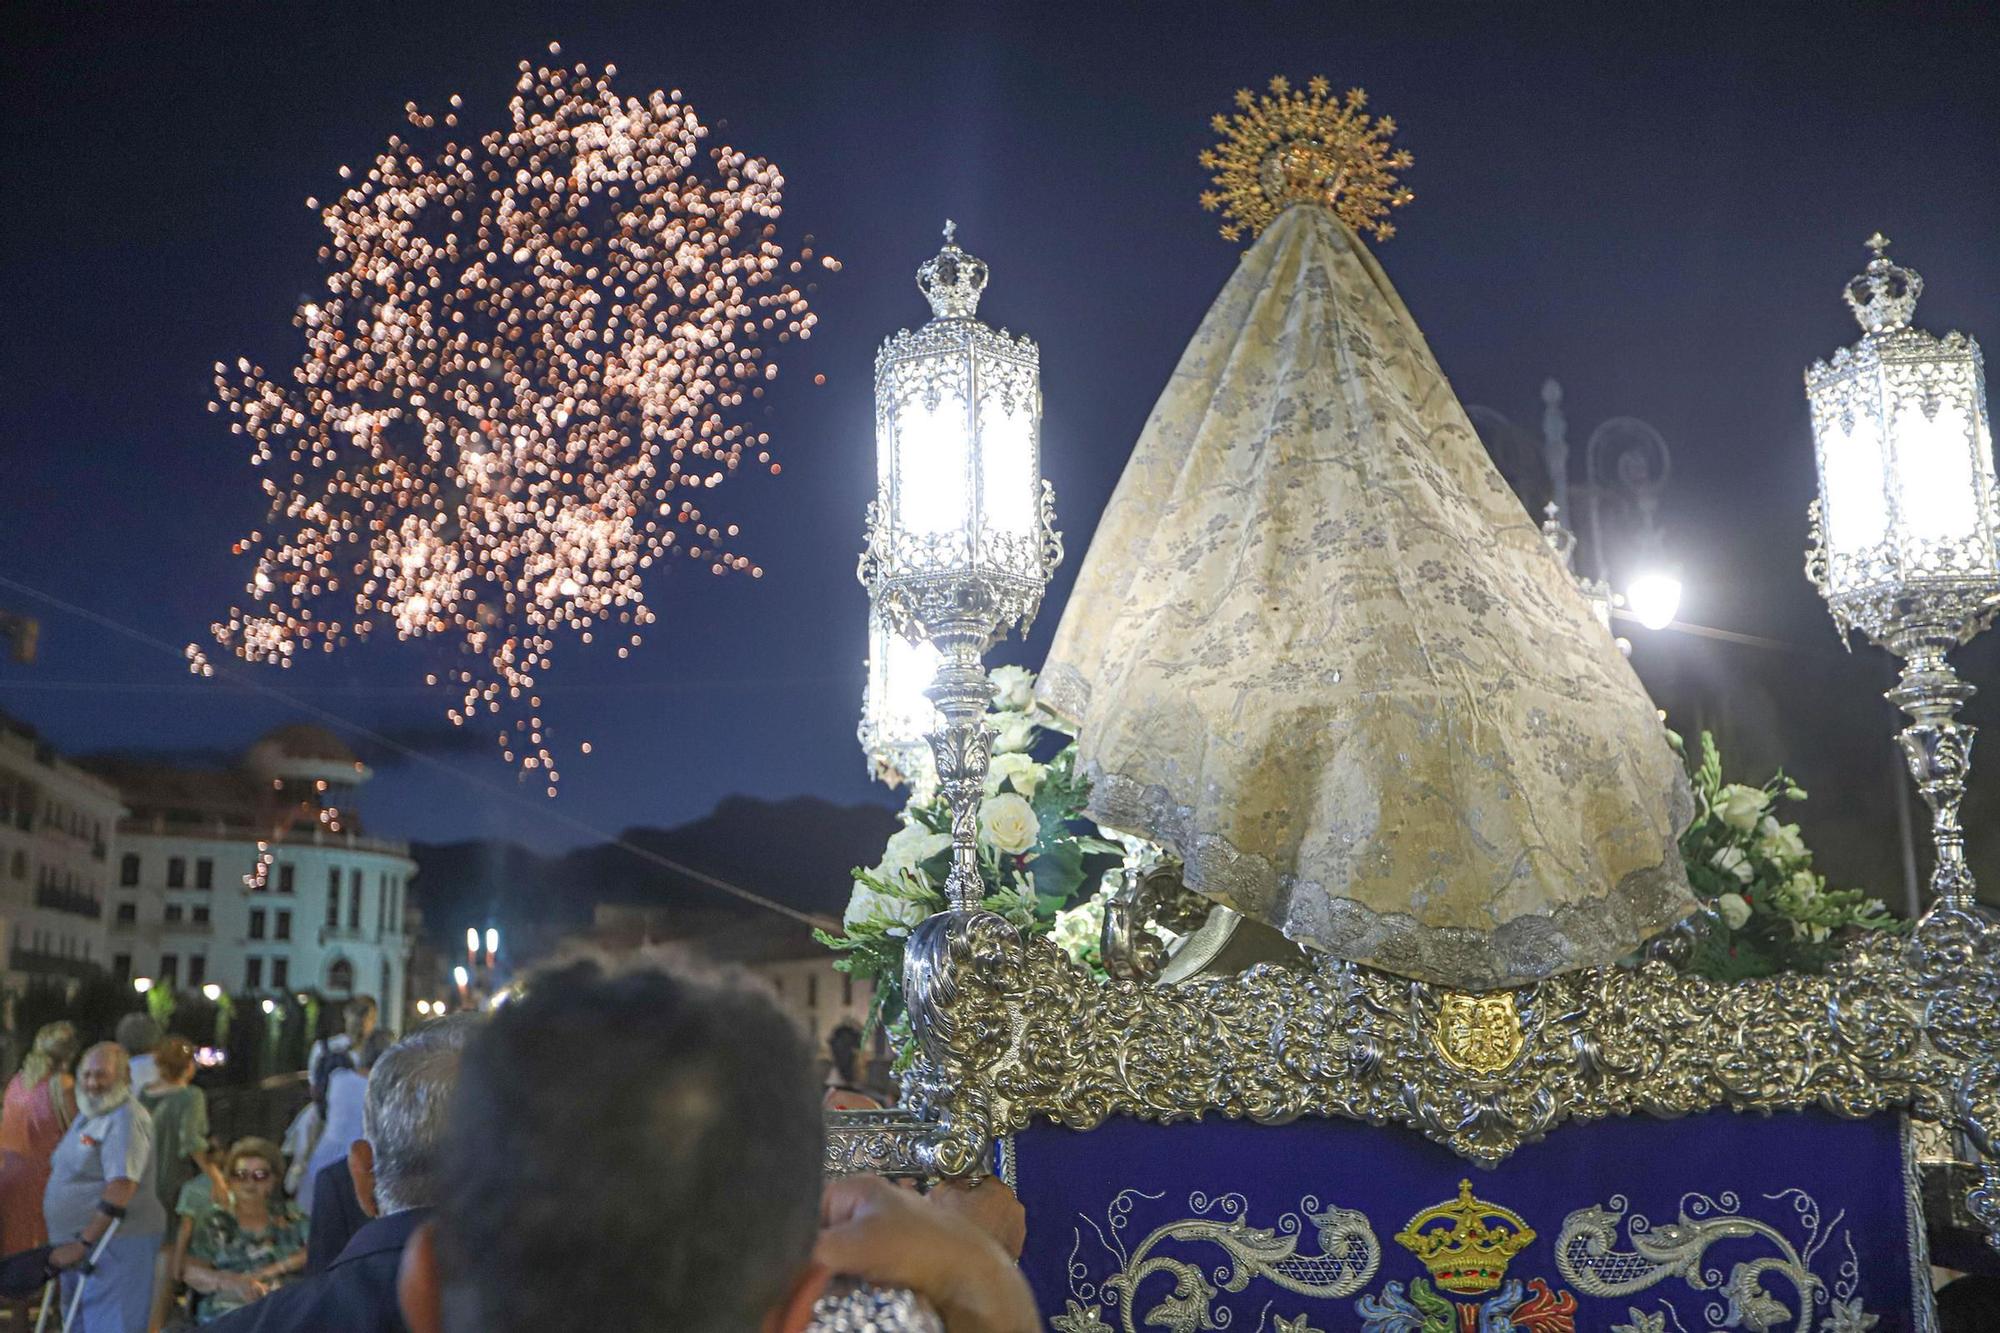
[1317, 648]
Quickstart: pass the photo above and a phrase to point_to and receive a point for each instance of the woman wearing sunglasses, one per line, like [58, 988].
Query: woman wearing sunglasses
[245, 1249]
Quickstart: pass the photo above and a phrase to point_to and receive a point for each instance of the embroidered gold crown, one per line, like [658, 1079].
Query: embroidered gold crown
[1291, 147]
[1471, 1253]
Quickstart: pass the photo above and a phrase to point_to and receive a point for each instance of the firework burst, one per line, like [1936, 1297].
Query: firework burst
[526, 373]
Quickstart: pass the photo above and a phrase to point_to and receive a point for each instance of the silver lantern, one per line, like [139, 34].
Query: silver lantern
[961, 536]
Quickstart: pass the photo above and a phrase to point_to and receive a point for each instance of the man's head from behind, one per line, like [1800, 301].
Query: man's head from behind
[639, 1141]
[405, 1117]
[138, 1033]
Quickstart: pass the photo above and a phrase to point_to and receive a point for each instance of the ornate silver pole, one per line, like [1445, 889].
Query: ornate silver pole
[962, 747]
[1938, 749]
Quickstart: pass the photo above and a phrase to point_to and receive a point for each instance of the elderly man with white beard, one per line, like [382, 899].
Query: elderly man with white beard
[103, 1170]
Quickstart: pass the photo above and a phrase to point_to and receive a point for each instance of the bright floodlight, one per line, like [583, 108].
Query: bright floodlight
[142, 984]
[461, 976]
[212, 991]
[492, 940]
[472, 939]
[1654, 599]
[270, 1006]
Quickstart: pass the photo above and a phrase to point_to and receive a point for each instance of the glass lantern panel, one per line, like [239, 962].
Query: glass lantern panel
[1853, 474]
[905, 715]
[1936, 465]
[1009, 475]
[932, 467]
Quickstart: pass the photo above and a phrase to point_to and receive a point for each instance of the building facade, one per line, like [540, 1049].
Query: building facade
[56, 826]
[259, 878]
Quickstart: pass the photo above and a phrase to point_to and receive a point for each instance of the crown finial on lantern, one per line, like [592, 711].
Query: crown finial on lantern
[1304, 146]
[951, 280]
[1884, 295]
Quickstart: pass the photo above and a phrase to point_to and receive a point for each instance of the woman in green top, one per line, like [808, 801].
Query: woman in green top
[245, 1250]
[180, 1145]
[180, 1119]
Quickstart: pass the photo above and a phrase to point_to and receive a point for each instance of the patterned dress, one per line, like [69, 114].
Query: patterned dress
[221, 1242]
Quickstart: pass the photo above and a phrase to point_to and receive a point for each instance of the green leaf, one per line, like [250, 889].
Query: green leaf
[1058, 870]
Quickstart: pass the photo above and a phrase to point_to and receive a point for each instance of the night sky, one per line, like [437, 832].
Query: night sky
[1656, 206]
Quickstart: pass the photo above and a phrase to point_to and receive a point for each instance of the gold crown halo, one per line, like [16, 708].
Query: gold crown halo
[1471, 1254]
[1290, 147]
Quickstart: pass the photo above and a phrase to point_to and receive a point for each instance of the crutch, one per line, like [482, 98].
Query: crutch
[52, 1296]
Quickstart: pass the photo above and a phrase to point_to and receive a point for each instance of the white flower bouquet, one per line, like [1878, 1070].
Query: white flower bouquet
[1041, 861]
[1772, 911]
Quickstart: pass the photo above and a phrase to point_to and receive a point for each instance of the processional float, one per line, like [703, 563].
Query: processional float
[1322, 663]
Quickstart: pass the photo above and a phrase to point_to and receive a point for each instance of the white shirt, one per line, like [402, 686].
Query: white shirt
[117, 1145]
[346, 1091]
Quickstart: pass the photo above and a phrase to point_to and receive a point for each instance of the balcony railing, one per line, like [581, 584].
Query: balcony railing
[51, 964]
[74, 901]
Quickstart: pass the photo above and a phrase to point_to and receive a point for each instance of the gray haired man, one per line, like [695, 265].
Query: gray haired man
[395, 1170]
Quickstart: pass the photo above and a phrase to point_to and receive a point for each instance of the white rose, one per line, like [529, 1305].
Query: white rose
[1023, 772]
[1732, 861]
[1735, 910]
[1780, 842]
[1804, 886]
[910, 846]
[1739, 806]
[1007, 823]
[1013, 687]
[1013, 733]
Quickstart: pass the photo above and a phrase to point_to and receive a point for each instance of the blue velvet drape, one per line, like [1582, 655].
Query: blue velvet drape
[1798, 1221]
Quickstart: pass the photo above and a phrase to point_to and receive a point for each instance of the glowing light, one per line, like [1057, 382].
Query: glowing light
[492, 941]
[142, 984]
[423, 1006]
[461, 976]
[1654, 599]
[211, 991]
[269, 1006]
[472, 939]
[532, 346]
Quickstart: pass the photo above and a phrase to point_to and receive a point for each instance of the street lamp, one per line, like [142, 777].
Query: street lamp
[1626, 468]
[1653, 598]
[1903, 532]
[961, 536]
[492, 944]
[895, 714]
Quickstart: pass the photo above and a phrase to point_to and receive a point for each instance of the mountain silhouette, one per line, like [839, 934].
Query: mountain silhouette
[797, 852]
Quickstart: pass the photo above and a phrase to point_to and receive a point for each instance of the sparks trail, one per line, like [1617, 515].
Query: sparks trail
[528, 367]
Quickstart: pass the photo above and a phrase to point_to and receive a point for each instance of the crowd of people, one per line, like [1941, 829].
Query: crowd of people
[637, 1147]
